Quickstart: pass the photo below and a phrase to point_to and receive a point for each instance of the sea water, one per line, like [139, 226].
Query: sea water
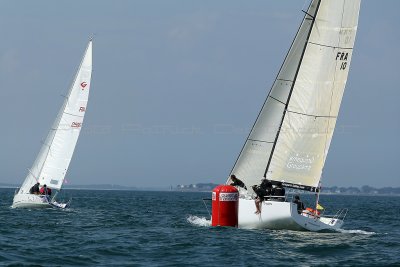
[138, 228]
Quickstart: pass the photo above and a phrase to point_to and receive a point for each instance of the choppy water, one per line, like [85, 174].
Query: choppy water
[120, 228]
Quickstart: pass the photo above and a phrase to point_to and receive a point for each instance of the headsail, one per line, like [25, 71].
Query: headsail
[52, 162]
[290, 139]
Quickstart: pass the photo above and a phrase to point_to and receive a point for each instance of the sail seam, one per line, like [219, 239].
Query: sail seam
[283, 103]
[331, 46]
[284, 80]
[81, 116]
[62, 129]
[268, 142]
[311, 115]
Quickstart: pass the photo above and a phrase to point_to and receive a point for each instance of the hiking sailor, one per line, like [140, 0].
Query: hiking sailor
[237, 182]
[45, 191]
[34, 189]
[263, 190]
[300, 205]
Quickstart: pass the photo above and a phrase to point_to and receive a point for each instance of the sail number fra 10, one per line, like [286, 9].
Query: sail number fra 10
[342, 56]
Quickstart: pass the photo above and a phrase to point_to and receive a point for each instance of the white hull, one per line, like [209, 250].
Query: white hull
[282, 215]
[31, 201]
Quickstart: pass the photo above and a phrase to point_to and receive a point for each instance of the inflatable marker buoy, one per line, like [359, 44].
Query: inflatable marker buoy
[225, 203]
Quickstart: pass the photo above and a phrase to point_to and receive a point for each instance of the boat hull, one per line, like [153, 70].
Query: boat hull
[31, 201]
[282, 215]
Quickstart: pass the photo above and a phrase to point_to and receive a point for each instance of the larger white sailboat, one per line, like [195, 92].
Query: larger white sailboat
[51, 164]
[290, 139]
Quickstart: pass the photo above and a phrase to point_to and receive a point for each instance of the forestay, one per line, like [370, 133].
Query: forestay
[52, 162]
[290, 139]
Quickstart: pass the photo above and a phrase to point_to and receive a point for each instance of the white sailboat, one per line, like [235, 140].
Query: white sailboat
[51, 164]
[290, 139]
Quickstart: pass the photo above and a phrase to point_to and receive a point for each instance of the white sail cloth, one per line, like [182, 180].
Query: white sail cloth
[55, 155]
[290, 139]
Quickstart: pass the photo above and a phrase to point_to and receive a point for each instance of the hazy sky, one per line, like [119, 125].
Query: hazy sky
[177, 85]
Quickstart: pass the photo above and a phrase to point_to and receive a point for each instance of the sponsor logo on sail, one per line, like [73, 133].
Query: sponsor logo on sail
[300, 163]
[214, 196]
[76, 124]
[83, 85]
[228, 196]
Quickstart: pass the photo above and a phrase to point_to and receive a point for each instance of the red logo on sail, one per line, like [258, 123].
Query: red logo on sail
[83, 85]
[76, 124]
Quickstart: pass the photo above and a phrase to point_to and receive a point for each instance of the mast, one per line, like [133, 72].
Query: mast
[262, 107]
[52, 162]
[312, 17]
[290, 139]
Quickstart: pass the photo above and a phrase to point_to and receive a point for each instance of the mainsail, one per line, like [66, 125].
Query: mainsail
[51, 164]
[290, 139]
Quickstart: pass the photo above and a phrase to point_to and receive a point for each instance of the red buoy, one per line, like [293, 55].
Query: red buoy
[225, 203]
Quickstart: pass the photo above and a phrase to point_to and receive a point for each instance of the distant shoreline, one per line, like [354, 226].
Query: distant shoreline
[207, 188]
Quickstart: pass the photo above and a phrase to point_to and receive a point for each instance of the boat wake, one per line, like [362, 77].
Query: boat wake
[198, 221]
[360, 232]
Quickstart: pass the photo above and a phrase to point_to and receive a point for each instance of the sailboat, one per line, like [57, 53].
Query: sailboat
[290, 138]
[51, 164]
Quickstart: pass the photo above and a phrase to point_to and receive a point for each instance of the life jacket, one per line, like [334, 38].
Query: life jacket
[311, 210]
[43, 191]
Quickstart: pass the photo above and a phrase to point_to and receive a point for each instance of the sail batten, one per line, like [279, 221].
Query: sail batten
[299, 115]
[311, 115]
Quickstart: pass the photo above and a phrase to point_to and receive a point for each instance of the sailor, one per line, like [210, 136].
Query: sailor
[279, 191]
[263, 190]
[300, 205]
[34, 189]
[237, 182]
[45, 191]
[48, 191]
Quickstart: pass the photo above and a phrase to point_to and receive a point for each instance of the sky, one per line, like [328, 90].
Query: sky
[178, 84]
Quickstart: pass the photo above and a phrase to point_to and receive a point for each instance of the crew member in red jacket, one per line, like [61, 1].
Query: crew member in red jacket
[45, 190]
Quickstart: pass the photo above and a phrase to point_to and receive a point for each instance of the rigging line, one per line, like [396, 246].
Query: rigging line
[330, 46]
[34, 176]
[315, 116]
[291, 89]
[265, 101]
